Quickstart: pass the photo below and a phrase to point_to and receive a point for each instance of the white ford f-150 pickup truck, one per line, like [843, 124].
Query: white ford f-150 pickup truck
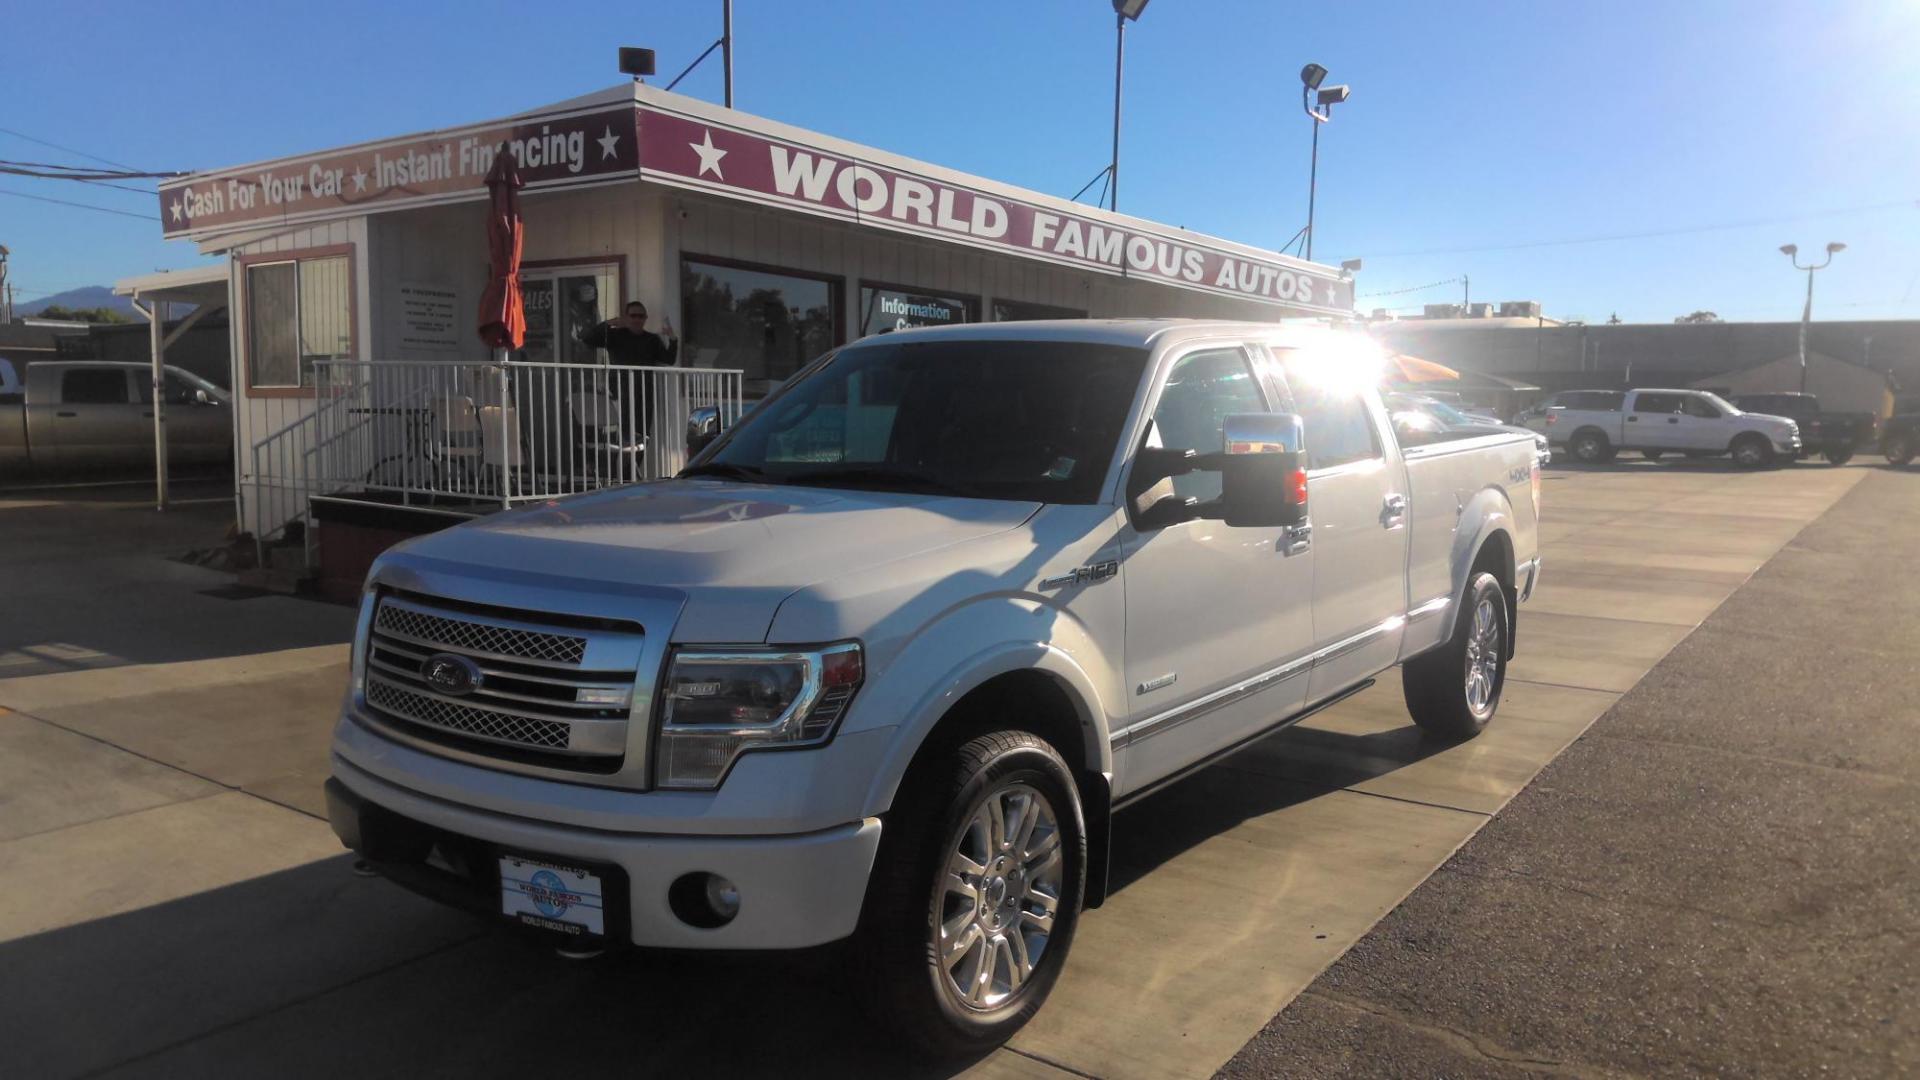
[883, 660]
[1594, 425]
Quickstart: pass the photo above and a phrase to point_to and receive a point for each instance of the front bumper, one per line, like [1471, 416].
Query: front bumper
[796, 891]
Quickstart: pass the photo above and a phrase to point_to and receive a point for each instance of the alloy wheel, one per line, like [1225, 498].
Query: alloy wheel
[998, 897]
[1483, 658]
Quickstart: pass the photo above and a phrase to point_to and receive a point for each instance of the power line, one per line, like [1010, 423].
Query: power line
[64, 149]
[1416, 288]
[80, 205]
[1654, 233]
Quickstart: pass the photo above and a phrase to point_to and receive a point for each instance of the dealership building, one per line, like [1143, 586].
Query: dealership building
[765, 245]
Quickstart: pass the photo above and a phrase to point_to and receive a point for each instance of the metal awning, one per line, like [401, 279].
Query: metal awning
[205, 287]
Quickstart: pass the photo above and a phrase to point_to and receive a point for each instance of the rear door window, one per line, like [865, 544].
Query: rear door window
[94, 386]
[1658, 403]
[1338, 426]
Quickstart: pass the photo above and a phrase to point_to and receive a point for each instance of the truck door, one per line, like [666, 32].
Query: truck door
[1654, 422]
[98, 419]
[198, 432]
[1357, 500]
[1702, 425]
[1214, 614]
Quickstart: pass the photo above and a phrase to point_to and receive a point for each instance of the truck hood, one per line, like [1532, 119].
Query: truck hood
[732, 550]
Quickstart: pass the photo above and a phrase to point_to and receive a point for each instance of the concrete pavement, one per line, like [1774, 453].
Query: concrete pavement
[191, 915]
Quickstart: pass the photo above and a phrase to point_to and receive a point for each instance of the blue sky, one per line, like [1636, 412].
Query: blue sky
[1474, 130]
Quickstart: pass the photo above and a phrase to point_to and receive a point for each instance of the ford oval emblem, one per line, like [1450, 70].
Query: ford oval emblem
[451, 674]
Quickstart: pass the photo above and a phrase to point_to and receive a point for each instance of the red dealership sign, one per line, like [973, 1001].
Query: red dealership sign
[556, 150]
[708, 156]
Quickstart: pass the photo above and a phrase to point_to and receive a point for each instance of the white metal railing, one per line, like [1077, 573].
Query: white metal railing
[466, 436]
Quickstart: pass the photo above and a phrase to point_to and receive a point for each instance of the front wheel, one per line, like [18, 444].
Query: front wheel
[1453, 691]
[1752, 451]
[1839, 456]
[976, 892]
[1897, 448]
[1590, 447]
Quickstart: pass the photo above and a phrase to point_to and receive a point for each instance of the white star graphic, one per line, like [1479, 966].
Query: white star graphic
[709, 155]
[175, 207]
[1333, 295]
[607, 143]
[359, 178]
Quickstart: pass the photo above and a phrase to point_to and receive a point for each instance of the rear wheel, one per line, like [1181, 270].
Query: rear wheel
[1453, 691]
[1590, 447]
[976, 892]
[1752, 451]
[1898, 448]
[1839, 455]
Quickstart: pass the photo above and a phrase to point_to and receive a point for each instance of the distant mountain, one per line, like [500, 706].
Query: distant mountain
[92, 296]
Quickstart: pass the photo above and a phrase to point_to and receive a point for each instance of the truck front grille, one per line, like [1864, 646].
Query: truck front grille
[521, 684]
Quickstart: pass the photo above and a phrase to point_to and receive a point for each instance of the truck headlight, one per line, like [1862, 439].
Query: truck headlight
[719, 704]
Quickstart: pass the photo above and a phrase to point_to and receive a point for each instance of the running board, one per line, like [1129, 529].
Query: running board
[1234, 748]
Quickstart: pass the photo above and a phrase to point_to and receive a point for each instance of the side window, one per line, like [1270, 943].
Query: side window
[1338, 428]
[1657, 404]
[1203, 389]
[94, 386]
[1699, 407]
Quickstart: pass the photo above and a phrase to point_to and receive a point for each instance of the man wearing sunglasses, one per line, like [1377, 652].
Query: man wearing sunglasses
[629, 343]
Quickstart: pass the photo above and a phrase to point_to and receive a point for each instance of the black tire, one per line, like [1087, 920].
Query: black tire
[1652, 455]
[1590, 447]
[899, 939]
[1751, 451]
[1839, 456]
[1898, 448]
[1436, 682]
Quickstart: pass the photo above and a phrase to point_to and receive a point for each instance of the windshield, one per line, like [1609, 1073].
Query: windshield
[1718, 402]
[1027, 420]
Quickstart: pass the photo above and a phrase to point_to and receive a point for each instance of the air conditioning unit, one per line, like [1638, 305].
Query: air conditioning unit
[1480, 311]
[1443, 311]
[1520, 309]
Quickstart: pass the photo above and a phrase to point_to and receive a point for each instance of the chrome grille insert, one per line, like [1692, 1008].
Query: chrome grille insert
[539, 687]
[485, 638]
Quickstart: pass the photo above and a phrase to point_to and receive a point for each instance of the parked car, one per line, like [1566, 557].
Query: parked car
[882, 662]
[1419, 419]
[80, 415]
[1595, 425]
[1900, 438]
[1833, 435]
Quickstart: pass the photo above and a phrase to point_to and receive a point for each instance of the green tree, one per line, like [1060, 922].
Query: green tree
[89, 315]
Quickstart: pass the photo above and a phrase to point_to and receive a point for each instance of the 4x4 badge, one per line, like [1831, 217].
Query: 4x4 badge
[1085, 575]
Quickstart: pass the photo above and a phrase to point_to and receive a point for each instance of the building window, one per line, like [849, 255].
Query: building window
[893, 307]
[1022, 311]
[298, 312]
[766, 322]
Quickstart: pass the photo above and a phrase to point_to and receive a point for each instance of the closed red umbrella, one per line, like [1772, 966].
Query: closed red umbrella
[503, 320]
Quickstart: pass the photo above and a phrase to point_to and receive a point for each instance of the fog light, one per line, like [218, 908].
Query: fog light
[703, 900]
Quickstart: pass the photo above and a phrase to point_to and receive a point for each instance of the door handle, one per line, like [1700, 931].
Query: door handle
[1295, 539]
[1633, 419]
[67, 415]
[1393, 510]
[1673, 419]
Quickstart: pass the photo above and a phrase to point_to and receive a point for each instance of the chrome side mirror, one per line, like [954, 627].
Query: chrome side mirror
[1263, 473]
[1265, 433]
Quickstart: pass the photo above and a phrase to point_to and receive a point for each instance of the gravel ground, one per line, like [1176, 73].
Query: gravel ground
[1720, 878]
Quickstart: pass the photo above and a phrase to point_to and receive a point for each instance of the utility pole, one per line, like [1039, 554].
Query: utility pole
[726, 48]
[1466, 294]
[1119, 64]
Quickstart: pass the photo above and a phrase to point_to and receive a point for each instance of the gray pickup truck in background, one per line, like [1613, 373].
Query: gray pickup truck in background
[90, 415]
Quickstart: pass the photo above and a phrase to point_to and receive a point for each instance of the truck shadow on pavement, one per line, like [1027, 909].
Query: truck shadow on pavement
[316, 971]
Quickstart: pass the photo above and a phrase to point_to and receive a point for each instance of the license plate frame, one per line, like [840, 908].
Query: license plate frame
[559, 896]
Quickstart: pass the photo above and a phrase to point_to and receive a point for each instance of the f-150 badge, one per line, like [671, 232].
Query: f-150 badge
[1084, 575]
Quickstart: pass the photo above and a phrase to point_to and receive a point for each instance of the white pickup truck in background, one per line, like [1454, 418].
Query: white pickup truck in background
[1595, 425]
[883, 660]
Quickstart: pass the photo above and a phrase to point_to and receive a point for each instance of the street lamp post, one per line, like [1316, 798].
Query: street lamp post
[1123, 10]
[1792, 251]
[1311, 77]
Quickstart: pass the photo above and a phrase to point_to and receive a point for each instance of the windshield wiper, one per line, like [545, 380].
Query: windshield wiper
[866, 476]
[725, 470]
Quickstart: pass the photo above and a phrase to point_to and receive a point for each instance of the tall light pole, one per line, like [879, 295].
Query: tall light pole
[1123, 11]
[1792, 251]
[1311, 77]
